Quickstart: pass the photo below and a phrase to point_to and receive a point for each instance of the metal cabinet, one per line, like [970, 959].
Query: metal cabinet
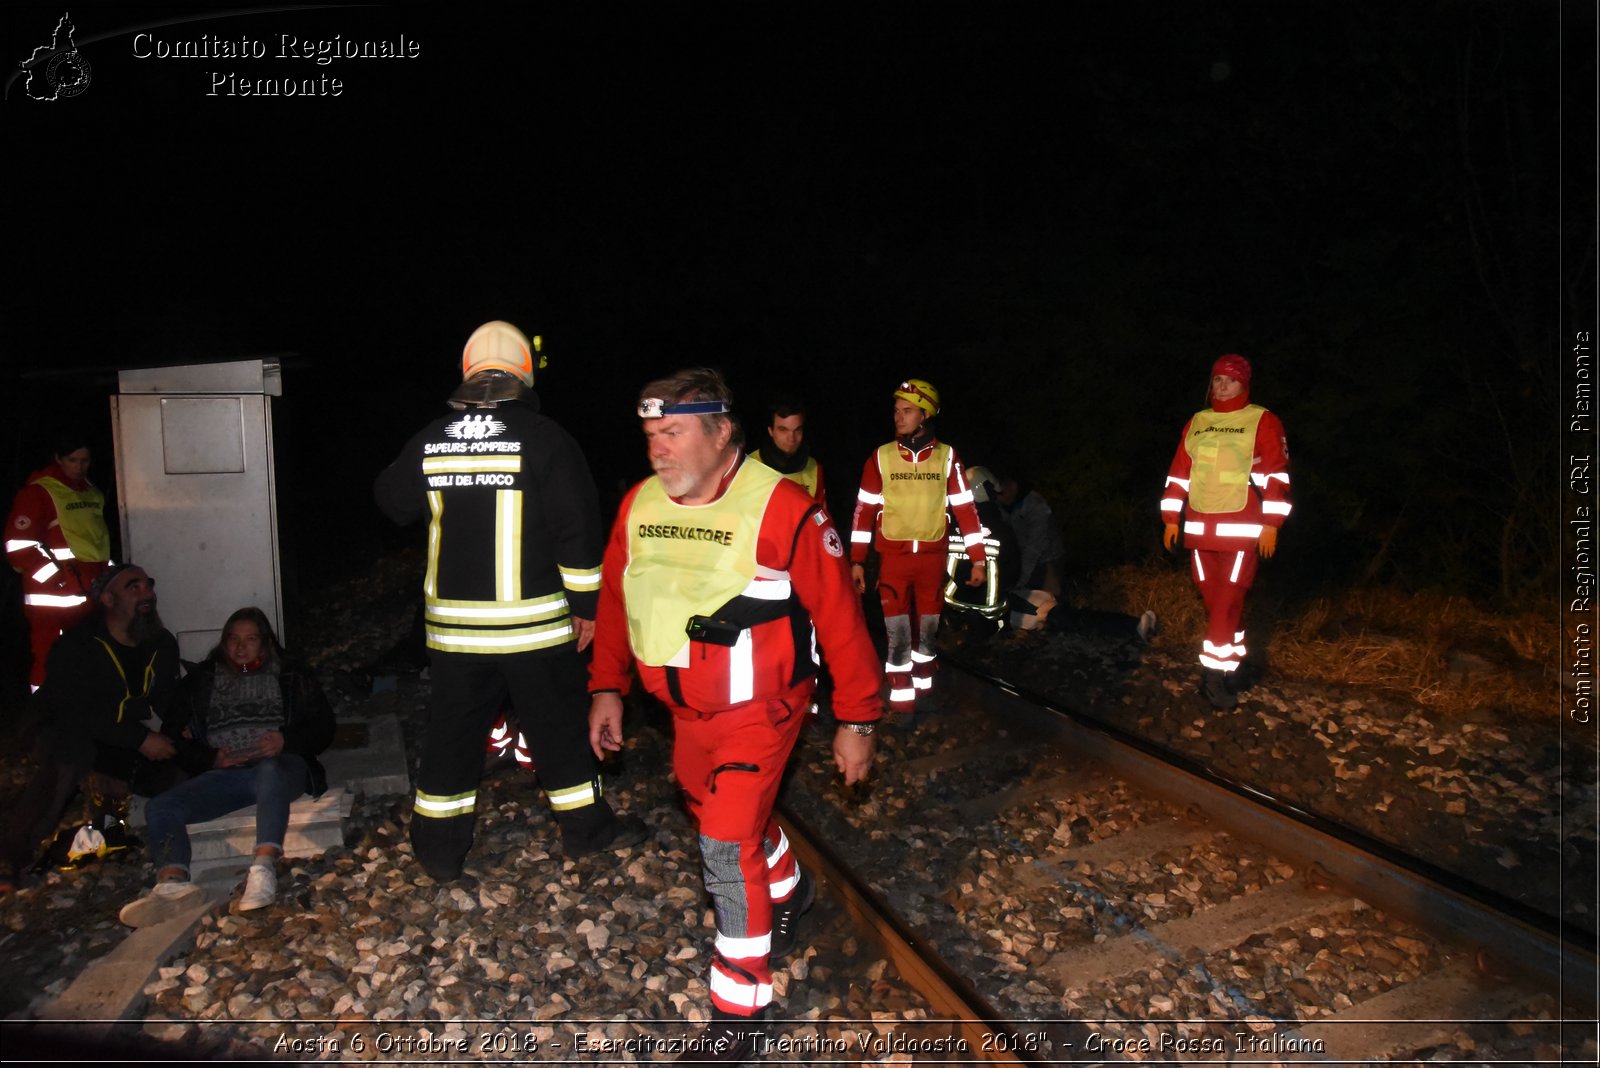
[197, 492]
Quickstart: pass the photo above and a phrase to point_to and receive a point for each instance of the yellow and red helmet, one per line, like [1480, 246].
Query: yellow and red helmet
[499, 346]
[921, 393]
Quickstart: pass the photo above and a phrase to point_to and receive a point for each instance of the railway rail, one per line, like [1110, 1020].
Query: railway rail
[1060, 893]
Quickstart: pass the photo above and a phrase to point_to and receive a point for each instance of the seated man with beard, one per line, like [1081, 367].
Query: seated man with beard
[104, 679]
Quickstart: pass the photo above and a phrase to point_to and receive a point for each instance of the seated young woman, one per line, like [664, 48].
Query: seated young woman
[261, 719]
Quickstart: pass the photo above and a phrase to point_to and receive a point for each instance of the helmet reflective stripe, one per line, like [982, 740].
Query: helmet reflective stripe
[921, 393]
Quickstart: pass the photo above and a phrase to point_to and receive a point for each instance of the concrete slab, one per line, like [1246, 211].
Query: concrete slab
[112, 988]
[375, 769]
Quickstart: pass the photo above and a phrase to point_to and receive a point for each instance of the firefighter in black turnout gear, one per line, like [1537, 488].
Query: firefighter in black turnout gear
[512, 580]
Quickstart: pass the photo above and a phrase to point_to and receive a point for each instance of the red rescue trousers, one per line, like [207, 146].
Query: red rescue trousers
[911, 590]
[728, 765]
[1223, 577]
[46, 623]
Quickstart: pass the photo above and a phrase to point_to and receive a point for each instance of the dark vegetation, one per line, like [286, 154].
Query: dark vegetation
[1059, 217]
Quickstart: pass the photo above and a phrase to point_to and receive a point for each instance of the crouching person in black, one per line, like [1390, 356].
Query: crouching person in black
[260, 718]
[106, 682]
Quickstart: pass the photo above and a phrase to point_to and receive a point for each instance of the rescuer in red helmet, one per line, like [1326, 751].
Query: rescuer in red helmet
[1227, 494]
[907, 487]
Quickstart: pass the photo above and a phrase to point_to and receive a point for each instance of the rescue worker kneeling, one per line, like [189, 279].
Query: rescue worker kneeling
[715, 571]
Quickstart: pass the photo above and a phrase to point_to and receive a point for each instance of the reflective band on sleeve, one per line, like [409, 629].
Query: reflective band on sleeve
[573, 797]
[737, 992]
[869, 498]
[768, 590]
[969, 540]
[958, 499]
[63, 554]
[587, 578]
[45, 572]
[1238, 530]
[1181, 483]
[1171, 504]
[1275, 507]
[861, 537]
[51, 600]
[744, 948]
[436, 806]
[13, 546]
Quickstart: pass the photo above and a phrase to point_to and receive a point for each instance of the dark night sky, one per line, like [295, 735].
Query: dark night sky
[1059, 213]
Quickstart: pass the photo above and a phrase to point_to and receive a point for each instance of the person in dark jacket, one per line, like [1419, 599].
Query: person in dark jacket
[509, 594]
[258, 719]
[112, 681]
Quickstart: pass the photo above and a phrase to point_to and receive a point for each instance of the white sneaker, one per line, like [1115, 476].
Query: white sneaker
[164, 901]
[260, 889]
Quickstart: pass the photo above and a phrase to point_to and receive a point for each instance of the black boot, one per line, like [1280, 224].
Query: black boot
[1214, 686]
[604, 831]
[728, 1039]
[786, 916]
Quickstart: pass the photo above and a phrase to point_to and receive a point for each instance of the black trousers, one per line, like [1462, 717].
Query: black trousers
[548, 688]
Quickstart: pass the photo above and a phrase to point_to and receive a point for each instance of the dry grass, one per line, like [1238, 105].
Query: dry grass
[1445, 653]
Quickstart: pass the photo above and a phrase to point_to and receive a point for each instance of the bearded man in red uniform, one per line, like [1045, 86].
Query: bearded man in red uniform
[719, 578]
[908, 488]
[1229, 485]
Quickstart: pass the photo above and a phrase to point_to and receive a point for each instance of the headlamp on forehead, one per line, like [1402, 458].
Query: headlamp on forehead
[655, 408]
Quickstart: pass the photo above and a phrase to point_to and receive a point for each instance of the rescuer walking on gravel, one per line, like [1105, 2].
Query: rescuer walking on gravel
[1228, 487]
[907, 488]
[716, 571]
[513, 572]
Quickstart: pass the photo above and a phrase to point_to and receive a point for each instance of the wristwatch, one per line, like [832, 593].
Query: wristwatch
[860, 728]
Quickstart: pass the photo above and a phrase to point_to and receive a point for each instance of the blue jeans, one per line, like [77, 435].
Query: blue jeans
[271, 785]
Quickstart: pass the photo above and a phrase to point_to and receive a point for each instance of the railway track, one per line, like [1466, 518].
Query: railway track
[1059, 894]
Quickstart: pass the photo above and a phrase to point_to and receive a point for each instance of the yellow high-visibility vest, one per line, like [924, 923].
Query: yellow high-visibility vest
[689, 560]
[913, 494]
[806, 476]
[82, 514]
[1222, 448]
